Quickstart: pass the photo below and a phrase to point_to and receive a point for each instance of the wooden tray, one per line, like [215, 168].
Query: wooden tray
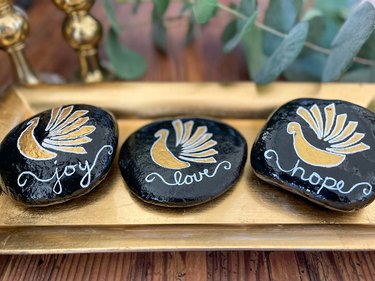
[252, 215]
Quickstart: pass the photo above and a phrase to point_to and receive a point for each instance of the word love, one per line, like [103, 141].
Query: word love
[68, 171]
[180, 179]
[316, 179]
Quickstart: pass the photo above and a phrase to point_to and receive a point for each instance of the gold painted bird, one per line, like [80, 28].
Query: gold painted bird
[195, 147]
[66, 132]
[332, 130]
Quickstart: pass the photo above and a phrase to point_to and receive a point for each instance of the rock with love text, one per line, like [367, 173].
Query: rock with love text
[182, 162]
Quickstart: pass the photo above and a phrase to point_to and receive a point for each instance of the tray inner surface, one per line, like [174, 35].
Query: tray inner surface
[249, 202]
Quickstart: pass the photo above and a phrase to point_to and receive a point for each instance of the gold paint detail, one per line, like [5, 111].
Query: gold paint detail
[306, 115]
[54, 114]
[66, 133]
[29, 147]
[339, 142]
[63, 114]
[318, 118]
[194, 147]
[348, 131]
[199, 132]
[77, 124]
[330, 112]
[83, 131]
[350, 150]
[352, 140]
[74, 116]
[161, 154]
[340, 122]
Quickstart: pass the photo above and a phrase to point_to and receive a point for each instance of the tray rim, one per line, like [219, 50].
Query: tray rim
[11, 236]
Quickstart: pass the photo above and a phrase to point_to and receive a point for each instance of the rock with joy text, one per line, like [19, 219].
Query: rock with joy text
[58, 154]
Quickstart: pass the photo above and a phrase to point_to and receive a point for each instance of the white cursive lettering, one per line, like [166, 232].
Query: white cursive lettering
[180, 179]
[329, 183]
[67, 172]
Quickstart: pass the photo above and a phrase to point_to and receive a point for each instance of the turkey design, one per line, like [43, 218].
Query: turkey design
[194, 147]
[65, 132]
[338, 135]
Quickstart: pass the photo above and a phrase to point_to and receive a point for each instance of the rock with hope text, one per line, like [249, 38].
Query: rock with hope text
[58, 155]
[323, 150]
[182, 162]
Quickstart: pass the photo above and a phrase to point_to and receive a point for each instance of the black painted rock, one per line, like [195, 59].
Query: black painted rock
[58, 154]
[323, 150]
[182, 162]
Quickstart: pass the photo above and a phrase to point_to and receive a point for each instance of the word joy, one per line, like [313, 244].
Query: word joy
[68, 171]
[180, 179]
[316, 179]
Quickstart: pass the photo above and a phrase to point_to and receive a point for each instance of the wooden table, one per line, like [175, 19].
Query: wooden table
[201, 61]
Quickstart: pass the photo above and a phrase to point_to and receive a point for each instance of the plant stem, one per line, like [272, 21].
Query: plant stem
[275, 32]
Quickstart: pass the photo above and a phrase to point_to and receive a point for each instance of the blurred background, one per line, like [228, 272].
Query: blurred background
[201, 59]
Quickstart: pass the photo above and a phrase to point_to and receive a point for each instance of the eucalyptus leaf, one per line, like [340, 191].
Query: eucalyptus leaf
[313, 13]
[252, 46]
[110, 12]
[322, 31]
[247, 8]
[160, 7]
[368, 49]
[126, 63]
[333, 7]
[232, 43]
[361, 75]
[347, 43]
[229, 31]
[204, 10]
[159, 35]
[307, 67]
[309, 64]
[159, 31]
[282, 16]
[284, 55]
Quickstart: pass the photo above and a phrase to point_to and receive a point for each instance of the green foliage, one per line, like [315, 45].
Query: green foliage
[284, 54]
[244, 29]
[294, 42]
[110, 12]
[159, 31]
[313, 13]
[348, 42]
[310, 64]
[281, 15]
[125, 63]
[334, 8]
[252, 46]
[204, 10]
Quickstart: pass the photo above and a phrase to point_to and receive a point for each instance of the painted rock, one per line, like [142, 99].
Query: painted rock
[182, 162]
[323, 150]
[58, 154]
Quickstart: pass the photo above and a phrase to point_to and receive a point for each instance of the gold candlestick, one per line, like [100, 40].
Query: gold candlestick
[13, 31]
[83, 33]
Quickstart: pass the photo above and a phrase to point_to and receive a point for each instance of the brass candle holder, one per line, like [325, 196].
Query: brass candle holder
[83, 33]
[14, 29]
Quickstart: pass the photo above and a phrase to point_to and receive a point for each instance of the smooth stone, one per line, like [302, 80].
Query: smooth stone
[322, 150]
[58, 155]
[182, 162]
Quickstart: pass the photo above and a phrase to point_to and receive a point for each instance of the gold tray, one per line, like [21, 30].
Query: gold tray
[252, 215]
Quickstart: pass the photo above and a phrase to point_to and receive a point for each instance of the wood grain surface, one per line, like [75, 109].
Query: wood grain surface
[201, 61]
